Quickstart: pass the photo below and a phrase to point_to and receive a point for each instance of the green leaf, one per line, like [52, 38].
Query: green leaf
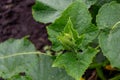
[109, 42]
[108, 20]
[71, 40]
[108, 15]
[75, 65]
[81, 19]
[89, 35]
[114, 47]
[18, 77]
[14, 65]
[89, 2]
[69, 36]
[48, 10]
[70, 30]
[46, 72]
[102, 2]
[103, 41]
[36, 67]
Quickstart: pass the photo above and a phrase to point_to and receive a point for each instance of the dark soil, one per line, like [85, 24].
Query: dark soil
[16, 21]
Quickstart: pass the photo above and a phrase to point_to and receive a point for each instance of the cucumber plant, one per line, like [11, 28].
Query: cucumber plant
[74, 32]
[81, 39]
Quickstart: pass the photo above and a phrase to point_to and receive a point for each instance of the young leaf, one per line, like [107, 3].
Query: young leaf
[75, 65]
[80, 18]
[69, 36]
[70, 30]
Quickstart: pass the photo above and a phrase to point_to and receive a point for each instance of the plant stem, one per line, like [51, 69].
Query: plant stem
[100, 73]
[95, 65]
[115, 25]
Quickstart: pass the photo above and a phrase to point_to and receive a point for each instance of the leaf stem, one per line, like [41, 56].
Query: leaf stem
[95, 65]
[115, 25]
[100, 73]
[18, 54]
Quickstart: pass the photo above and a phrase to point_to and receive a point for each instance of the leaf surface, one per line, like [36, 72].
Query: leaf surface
[75, 65]
[108, 20]
[81, 20]
[47, 11]
[108, 15]
[36, 67]
[114, 47]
